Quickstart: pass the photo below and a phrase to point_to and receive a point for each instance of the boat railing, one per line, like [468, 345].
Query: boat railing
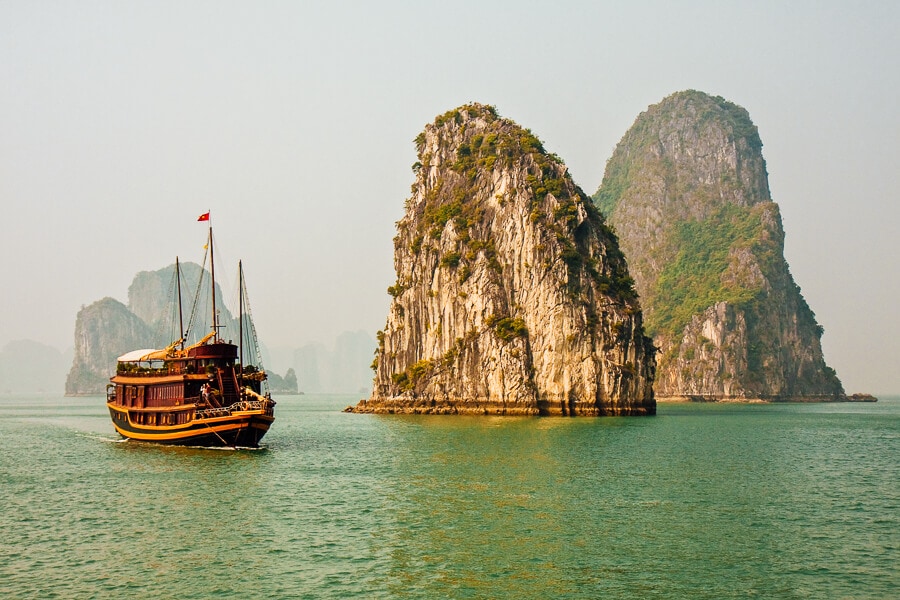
[264, 405]
[211, 413]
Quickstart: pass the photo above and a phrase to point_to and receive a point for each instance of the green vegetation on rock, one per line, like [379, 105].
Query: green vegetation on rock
[687, 192]
[696, 277]
[507, 328]
[504, 144]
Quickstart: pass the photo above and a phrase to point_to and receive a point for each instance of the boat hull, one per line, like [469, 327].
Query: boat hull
[243, 428]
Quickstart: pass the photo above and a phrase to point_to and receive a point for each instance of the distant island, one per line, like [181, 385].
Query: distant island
[862, 398]
[107, 329]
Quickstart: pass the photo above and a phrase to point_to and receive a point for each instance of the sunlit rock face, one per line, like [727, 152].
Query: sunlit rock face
[511, 296]
[687, 194]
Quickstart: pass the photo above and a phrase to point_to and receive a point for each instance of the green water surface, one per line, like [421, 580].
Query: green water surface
[701, 501]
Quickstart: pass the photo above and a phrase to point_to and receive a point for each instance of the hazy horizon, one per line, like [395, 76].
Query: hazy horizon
[293, 123]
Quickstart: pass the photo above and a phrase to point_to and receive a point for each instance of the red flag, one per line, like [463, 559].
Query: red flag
[203, 217]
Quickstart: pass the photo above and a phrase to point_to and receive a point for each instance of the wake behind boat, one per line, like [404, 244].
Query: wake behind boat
[196, 395]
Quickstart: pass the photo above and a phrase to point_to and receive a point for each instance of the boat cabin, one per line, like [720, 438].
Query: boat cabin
[166, 388]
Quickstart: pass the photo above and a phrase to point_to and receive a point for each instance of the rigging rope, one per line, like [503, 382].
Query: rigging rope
[252, 330]
[190, 325]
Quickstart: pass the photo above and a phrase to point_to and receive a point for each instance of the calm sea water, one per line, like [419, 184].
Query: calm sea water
[701, 501]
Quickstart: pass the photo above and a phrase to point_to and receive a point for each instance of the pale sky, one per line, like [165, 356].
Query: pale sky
[293, 122]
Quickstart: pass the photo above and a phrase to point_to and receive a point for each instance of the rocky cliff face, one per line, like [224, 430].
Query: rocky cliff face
[103, 331]
[150, 299]
[687, 193]
[512, 296]
[107, 328]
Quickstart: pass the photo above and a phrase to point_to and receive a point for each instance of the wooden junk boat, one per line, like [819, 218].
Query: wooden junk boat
[196, 395]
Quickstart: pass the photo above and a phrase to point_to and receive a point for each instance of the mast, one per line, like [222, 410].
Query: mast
[212, 271]
[180, 314]
[241, 320]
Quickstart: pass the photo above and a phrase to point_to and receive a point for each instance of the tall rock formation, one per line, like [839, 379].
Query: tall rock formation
[512, 296]
[107, 328]
[150, 298]
[687, 193]
[103, 331]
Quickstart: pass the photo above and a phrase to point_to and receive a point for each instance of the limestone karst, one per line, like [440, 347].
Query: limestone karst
[687, 192]
[104, 330]
[511, 296]
[107, 328]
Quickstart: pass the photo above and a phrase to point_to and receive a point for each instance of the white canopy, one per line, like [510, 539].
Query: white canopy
[136, 355]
